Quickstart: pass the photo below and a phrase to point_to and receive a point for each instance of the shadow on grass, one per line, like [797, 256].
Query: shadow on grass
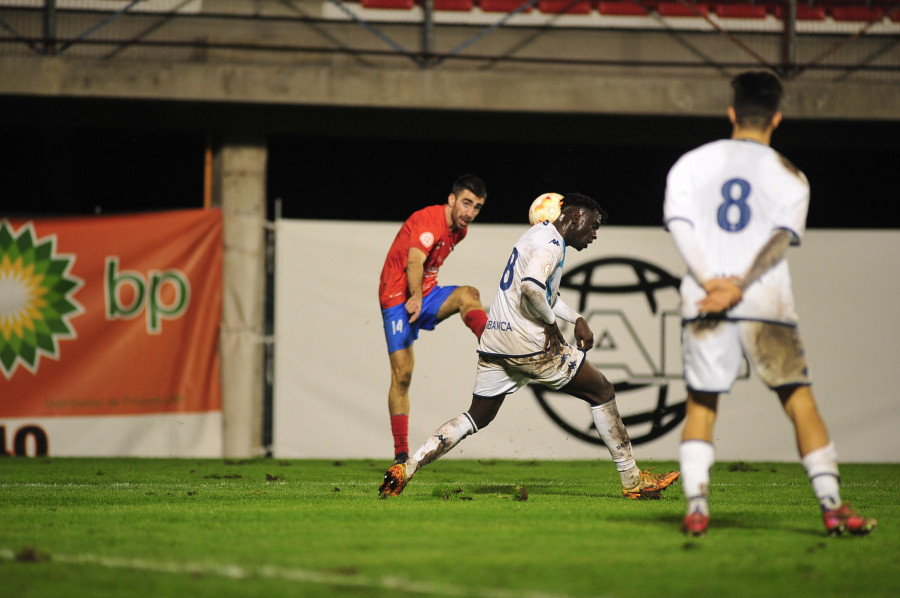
[734, 521]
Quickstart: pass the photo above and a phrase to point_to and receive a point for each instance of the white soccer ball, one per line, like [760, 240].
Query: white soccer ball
[546, 207]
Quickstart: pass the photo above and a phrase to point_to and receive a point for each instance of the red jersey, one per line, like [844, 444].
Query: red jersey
[427, 230]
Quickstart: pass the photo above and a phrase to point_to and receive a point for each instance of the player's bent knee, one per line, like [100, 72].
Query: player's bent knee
[471, 295]
[481, 419]
[608, 392]
[599, 391]
[401, 379]
[608, 395]
[483, 411]
[601, 399]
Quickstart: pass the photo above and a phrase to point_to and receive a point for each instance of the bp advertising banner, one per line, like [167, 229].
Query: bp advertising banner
[108, 335]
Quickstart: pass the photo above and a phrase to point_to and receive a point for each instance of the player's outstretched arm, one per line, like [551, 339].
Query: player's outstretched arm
[771, 253]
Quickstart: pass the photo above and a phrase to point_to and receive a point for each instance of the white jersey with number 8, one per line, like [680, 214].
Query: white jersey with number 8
[512, 330]
[735, 193]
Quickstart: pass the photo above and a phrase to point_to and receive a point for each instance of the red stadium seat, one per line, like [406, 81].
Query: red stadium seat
[458, 5]
[569, 7]
[741, 10]
[502, 5]
[677, 9]
[621, 8]
[856, 13]
[396, 4]
[805, 12]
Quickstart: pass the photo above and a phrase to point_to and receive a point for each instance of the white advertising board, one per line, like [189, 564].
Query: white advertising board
[332, 374]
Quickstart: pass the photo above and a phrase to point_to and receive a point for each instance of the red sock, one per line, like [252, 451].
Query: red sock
[476, 320]
[400, 430]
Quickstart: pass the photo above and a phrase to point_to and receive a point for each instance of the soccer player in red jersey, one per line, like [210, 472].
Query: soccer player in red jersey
[409, 294]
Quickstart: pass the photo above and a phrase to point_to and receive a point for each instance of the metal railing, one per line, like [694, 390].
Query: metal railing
[258, 30]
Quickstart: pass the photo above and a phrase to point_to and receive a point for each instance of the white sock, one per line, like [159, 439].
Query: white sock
[696, 457]
[614, 435]
[822, 469]
[443, 439]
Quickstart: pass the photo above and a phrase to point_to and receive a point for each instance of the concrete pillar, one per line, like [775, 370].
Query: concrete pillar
[239, 189]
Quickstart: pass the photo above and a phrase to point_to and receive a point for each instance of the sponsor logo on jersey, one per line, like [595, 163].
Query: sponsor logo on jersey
[501, 326]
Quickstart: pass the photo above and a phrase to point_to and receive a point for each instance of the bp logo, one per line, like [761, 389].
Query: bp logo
[633, 309]
[36, 298]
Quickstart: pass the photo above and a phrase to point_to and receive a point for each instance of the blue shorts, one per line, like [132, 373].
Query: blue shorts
[399, 333]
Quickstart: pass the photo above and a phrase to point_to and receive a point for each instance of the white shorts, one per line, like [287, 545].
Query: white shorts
[500, 375]
[714, 351]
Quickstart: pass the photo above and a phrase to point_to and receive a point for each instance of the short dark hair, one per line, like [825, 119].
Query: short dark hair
[757, 95]
[580, 200]
[472, 183]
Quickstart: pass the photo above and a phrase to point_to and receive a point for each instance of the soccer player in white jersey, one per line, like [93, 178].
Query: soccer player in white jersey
[522, 342]
[733, 207]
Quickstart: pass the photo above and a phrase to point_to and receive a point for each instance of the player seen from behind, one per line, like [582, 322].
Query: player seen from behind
[733, 207]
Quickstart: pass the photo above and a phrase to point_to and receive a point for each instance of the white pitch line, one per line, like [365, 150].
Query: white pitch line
[287, 574]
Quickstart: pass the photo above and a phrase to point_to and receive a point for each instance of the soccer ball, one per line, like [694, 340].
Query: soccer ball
[546, 207]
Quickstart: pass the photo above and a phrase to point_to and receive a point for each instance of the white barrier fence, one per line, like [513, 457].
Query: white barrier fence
[332, 374]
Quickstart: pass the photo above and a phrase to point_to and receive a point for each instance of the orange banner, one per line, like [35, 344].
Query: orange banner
[110, 315]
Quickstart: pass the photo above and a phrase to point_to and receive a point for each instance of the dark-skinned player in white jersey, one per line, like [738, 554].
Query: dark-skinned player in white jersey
[522, 342]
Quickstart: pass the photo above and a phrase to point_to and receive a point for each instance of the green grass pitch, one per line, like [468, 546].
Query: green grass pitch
[483, 529]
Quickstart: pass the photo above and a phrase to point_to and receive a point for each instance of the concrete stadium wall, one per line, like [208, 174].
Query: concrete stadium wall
[313, 53]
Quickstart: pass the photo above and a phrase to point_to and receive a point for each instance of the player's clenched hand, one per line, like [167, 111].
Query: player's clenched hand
[553, 339]
[721, 294]
[413, 308]
[584, 336]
